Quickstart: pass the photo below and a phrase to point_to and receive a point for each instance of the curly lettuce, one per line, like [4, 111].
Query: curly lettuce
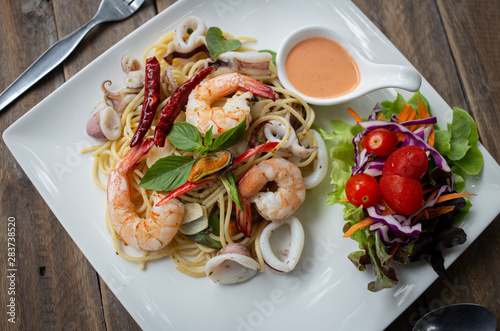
[457, 144]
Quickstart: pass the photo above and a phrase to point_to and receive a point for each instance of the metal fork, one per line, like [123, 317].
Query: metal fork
[109, 11]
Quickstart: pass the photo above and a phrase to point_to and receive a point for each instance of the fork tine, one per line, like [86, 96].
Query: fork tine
[135, 4]
[125, 7]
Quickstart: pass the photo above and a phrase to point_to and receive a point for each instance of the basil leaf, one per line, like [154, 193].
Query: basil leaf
[208, 138]
[273, 53]
[230, 137]
[185, 136]
[213, 222]
[203, 238]
[232, 189]
[218, 44]
[167, 173]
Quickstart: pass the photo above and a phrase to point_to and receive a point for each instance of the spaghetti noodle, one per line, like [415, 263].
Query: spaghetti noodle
[290, 111]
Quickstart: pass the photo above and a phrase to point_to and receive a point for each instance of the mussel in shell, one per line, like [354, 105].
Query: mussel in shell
[211, 165]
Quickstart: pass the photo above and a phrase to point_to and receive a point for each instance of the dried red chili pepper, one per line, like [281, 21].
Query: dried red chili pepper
[175, 104]
[151, 99]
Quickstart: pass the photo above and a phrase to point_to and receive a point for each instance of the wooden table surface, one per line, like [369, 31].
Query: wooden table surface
[454, 44]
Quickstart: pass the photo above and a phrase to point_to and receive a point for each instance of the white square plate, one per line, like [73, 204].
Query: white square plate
[325, 291]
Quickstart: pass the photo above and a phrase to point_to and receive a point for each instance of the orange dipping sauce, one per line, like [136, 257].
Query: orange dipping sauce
[321, 68]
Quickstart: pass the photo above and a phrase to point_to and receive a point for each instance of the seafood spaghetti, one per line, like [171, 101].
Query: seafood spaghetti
[206, 155]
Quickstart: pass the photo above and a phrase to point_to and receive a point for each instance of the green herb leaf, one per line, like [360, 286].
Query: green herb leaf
[218, 44]
[273, 53]
[214, 223]
[167, 173]
[232, 189]
[208, 138]
[230, 137]
[203, 238]
[185, 136]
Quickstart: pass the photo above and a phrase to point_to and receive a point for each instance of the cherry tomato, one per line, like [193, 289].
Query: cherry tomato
[362, 189]
[403, 194]
[407, 161]
[381, 141]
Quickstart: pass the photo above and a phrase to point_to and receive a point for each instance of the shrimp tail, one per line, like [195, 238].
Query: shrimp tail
[257, 88]
[244, 218]
[130, 160]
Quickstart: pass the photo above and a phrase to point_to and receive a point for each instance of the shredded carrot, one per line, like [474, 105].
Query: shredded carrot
[353, 114]
[431, 138]
[393, 251]
[380, 117]
[413, 116]
[423, 113]
[429, 190]
[452, 196]
[435, 212]
[432, 196]
[404, 113]
[343, 200]
[360, 225]
[432, 213]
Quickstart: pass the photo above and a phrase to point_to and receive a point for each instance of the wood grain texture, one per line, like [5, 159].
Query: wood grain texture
[450, 43]
[475, 41]
[52, 277]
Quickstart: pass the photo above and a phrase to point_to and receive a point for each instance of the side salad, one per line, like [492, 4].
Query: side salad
[401, 180]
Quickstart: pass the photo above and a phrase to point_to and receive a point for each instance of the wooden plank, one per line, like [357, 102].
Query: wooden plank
[471, 27]
[48, 263]
[161, 5]
[475, 43]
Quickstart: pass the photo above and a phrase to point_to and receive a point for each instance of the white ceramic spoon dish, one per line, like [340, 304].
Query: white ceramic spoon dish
[373, 76]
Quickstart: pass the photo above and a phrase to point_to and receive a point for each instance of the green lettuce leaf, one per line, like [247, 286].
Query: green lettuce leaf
[460, 132]
[343, 157]
[459, 144]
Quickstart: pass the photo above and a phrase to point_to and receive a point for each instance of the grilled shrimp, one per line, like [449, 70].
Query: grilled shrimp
[202, 114]
[149, 234]
[282, 203]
